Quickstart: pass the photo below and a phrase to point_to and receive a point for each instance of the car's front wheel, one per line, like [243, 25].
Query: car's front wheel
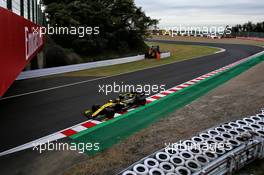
[88, 113]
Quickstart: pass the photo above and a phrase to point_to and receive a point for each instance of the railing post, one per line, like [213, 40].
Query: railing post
[9, 4]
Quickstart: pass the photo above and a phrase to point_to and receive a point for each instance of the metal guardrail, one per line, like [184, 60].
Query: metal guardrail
[246, 140]
[77, 67]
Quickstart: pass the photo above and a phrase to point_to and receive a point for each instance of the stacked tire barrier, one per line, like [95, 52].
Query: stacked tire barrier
[241, 141]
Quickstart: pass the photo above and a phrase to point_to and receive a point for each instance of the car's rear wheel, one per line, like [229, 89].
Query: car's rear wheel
[109, 112]
[141, 101]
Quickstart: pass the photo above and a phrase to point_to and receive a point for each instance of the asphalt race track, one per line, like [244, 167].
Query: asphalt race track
[32, 116]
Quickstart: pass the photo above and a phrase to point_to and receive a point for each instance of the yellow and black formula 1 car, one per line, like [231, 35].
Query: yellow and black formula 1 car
[122, 103]
[131, 99]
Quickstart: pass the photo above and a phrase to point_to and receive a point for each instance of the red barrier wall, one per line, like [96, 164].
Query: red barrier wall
[18, 45]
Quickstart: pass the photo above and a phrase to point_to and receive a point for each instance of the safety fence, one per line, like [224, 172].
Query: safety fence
[245, 140]
[250, 34]
[78, 67]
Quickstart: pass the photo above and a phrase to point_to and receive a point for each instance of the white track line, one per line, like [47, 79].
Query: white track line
[167, 92]
[150, 99]
[220, 51]
[176, 88]
[79, 128]
[43, 140]
[49, 138]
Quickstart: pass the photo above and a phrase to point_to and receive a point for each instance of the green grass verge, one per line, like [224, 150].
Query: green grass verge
[179, 53]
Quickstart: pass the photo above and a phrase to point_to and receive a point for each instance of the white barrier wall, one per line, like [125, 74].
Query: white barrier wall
[78, 67]
[165, 55]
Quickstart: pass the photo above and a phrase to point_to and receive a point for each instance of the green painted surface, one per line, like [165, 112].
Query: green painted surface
[117, 129]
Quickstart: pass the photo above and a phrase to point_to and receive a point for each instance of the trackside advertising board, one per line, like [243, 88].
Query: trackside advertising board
[19, 43]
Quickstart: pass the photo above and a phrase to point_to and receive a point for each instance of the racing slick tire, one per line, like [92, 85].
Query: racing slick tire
[88, 114]
[109, 112]
[141, 101]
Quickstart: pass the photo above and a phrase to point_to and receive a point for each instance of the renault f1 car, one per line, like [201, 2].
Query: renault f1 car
[124, 102]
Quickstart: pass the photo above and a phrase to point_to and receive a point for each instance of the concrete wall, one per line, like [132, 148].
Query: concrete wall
[78, 67]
